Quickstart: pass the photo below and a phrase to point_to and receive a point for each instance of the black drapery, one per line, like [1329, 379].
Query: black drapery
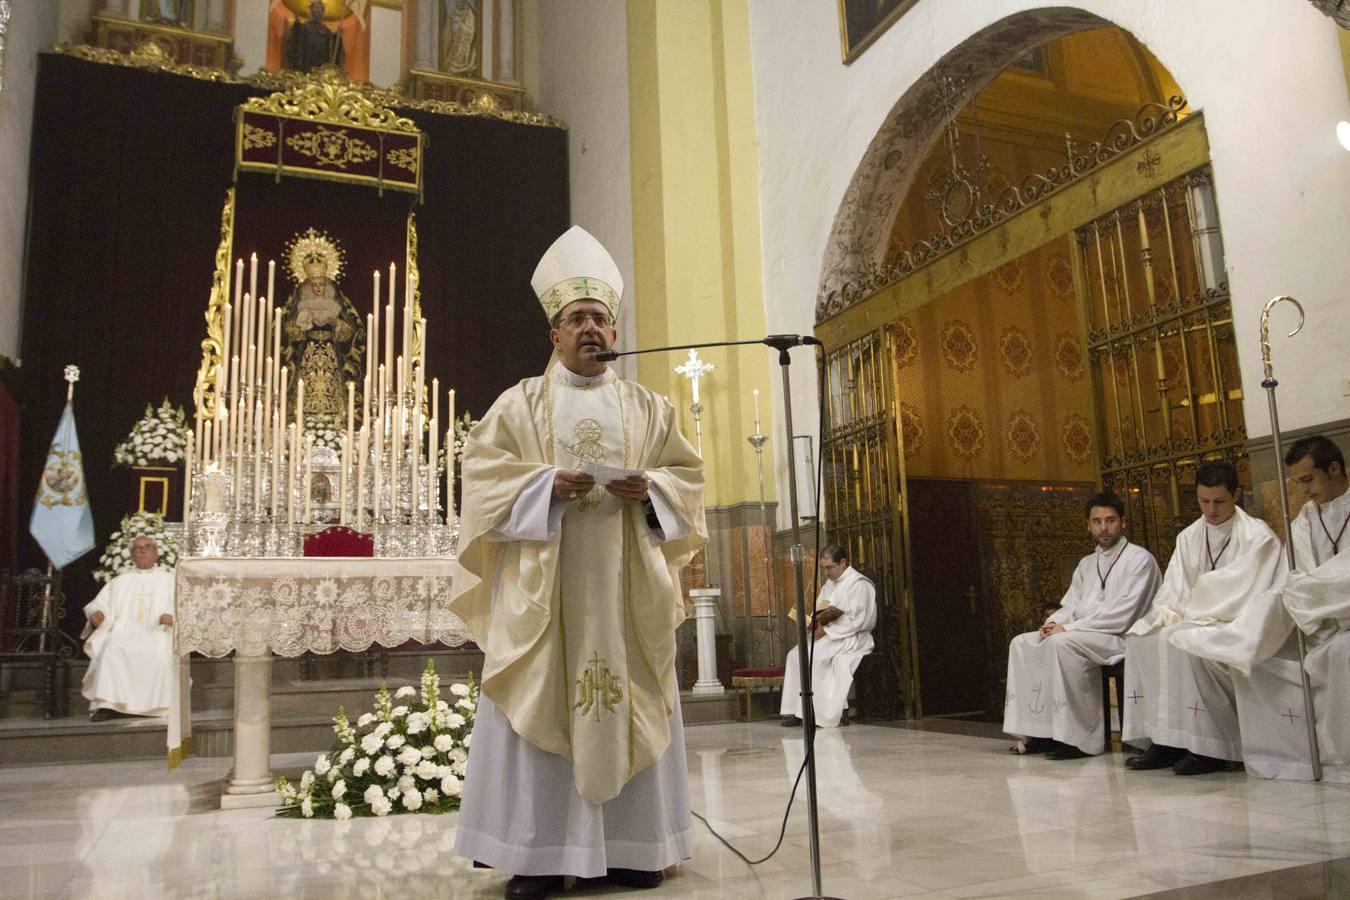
[129, 174]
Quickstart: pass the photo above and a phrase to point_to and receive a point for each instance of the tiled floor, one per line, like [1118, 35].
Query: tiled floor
[903, 813]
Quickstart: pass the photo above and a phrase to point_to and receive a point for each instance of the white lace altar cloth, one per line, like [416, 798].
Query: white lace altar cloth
[315, 604]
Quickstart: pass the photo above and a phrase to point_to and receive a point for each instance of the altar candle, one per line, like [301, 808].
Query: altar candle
[756, 393]
[422, 351]
[277, 427]
[379, 465]
[261, 318]
[379, 409]
[276, 338]
[389, 337]
[433, 473]
[370, 358]
[206, 445]
[245, 339]
[281, 398]
[396, 442]
[187, 477]
[363, 448]
[290, 477]
[309, 478]
[257, 458]
[415, 467]
[267, 401]
[407, 327]
[374, 328]
[300, 405]
[342, 479]
[238, 288]
[271, 288]
[450, 459]
[226, 335]
[253, 275]
[234, 405]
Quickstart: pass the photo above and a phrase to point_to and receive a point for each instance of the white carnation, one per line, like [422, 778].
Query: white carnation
[380, 806]
[321, 765]
[399, 712]
[417, 723]
[371, 744]
[360, 767]
[459, 690]
[431, 795]
[383, 729]
[467, 738]
[366, 719]
[372, 794]
[444, 743]
[406, 691]
[307, 808]
[451, 786]
[306, 780]
[426, 770]
[455, 720]
[395, 741]
[412, 801]
[466, 704]
[406, 783]
[410, 756]
[383, 766]
[346, 756]
[339, 788]
[342, 812]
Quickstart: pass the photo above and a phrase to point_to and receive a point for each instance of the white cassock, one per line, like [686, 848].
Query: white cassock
[1318, 598]
[525, 810]
[131, 663]
[1215, 620]
[835, 656]
[1054, 684]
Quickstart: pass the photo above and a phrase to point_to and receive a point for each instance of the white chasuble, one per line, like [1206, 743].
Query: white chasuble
[1318, 598]
[131, 662]
[575, 605]
[1054, 683]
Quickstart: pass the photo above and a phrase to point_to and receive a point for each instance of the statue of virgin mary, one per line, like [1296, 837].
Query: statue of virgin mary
[323, 337]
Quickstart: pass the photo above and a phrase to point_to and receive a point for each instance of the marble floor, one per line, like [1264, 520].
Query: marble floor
[904, 813]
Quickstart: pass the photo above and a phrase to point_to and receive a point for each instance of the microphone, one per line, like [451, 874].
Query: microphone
[777, 341]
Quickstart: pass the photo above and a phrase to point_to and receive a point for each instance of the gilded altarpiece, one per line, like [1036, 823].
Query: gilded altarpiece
[863, 483]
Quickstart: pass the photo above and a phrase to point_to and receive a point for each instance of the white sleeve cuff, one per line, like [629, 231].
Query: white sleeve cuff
[672, 526]
[534, 517]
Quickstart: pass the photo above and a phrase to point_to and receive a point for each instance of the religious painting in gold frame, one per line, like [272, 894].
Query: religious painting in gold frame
[861, 22]
[167, 12]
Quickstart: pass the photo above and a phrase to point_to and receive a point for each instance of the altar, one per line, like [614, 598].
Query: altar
[258, 608]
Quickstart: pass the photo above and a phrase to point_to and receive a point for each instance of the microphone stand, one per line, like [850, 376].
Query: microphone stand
[783, 343]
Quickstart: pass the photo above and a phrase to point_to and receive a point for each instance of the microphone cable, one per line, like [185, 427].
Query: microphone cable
[810, 743]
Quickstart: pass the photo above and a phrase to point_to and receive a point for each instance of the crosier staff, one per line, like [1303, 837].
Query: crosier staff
[1269, 383]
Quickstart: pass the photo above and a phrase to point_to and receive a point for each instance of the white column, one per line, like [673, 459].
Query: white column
[705, 621]
[426, 46]
[251, 783]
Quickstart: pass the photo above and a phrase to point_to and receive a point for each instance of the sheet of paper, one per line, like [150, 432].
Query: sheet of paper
[605, 474]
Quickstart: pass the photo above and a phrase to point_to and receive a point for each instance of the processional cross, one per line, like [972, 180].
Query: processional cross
[695, 369]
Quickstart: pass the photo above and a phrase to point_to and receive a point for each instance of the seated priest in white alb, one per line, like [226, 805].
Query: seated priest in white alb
[841, 630]
[1317, 596]
[1215, 618]
[1054, 700]
[130, 640]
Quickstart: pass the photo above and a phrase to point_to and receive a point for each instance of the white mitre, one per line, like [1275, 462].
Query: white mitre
[576, 267]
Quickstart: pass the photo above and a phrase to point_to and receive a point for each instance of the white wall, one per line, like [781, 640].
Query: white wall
[250, 34]
[32, 30]
[575, 66]
[1268, 77]
[386, 45]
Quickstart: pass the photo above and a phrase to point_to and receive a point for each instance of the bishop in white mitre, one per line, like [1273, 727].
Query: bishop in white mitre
[1317, 596]
[846, 613]
[1054, 698]
[582, 501]
[1215, 619]
[130, 640]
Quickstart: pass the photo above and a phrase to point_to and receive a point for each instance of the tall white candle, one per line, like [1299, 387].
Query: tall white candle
[756, 393]
[450, 459]
[234, 406]
[253, 274]
[187, 477]
[277, 427]
[206, 445]
[276, 338]
[245, 342]
[238, 289]
[258, 459]
[290, 476]
[362, 449]
[378, 462]
[342, 478]
[433, 470]
[300, 405]
[228, 335]
[389, 323]
[268, 375]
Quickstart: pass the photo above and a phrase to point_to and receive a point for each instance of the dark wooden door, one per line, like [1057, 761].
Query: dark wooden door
[949, 609]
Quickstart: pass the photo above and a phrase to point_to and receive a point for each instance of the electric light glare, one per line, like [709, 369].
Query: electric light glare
[1343, 133]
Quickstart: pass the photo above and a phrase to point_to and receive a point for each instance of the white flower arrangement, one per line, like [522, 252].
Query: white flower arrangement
[375, 770]
[158, 439]
[463, 425]
[116, 557]
[327, 431]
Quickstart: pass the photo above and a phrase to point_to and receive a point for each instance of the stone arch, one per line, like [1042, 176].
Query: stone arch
[851, 266]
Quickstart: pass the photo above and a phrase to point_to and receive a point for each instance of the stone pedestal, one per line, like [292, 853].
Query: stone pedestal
[251, 783]
[705, 616]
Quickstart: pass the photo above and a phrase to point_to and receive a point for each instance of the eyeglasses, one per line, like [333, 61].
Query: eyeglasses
[577, 320]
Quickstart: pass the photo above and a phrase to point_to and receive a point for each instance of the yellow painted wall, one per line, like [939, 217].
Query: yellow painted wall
[696, 240]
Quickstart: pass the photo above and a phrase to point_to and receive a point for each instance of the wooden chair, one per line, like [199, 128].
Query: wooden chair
[1109, 673]
[747, 681]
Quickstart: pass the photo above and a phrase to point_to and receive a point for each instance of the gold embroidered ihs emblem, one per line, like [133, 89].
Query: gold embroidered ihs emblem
[586, 447]
[597, 688]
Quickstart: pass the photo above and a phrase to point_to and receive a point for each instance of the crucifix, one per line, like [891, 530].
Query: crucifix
[694, 369]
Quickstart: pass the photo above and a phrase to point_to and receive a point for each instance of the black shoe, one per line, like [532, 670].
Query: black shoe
[791, 722]
[1067, 751]
[1157, 756]
[1035, 745]
[102, 715]
[635, 878]
[532, 887]
[1196, 764]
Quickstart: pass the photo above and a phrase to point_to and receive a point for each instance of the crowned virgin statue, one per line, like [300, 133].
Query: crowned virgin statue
[323, 337]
